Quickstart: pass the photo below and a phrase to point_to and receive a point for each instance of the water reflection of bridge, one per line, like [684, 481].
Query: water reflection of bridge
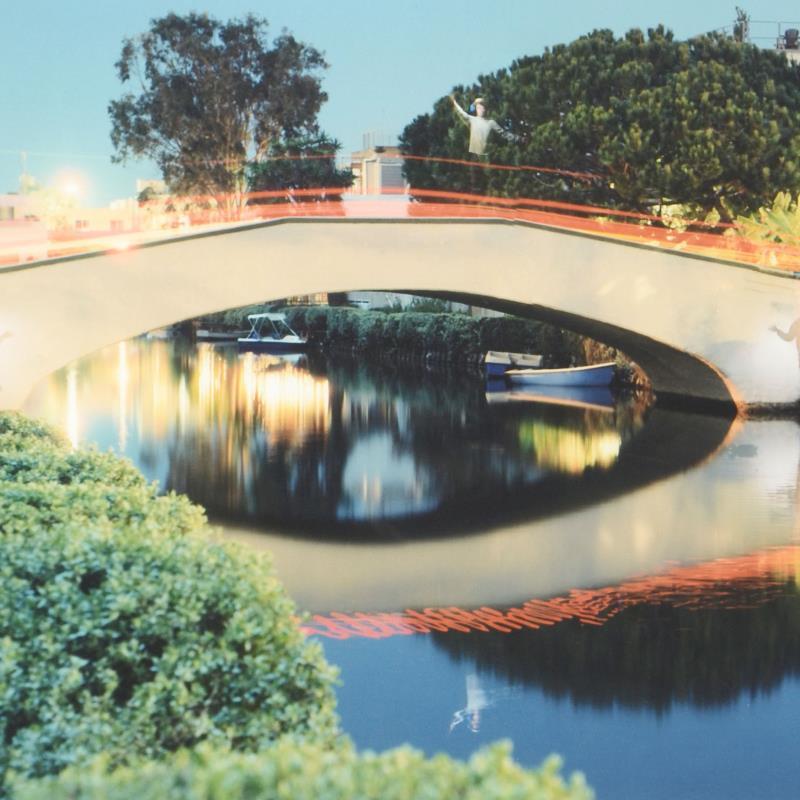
[742, 501]
[701, 634]
[698, 323]
[741, 582]
[338, 453]
[241, 425]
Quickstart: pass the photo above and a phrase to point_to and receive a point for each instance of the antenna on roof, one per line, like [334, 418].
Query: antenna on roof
[741, 28]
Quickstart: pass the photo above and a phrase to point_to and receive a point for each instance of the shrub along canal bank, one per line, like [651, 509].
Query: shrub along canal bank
[129, 633]
[432, 336]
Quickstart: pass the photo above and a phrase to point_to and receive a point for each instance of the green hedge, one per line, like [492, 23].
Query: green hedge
[126, 629]
[233, 319]
[128, 633]
[455, 336]
[304, 771]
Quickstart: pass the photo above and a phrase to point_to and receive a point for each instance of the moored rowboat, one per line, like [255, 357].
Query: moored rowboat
[593, 375]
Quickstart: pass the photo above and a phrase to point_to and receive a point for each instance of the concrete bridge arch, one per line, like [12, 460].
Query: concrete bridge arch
[699, 327]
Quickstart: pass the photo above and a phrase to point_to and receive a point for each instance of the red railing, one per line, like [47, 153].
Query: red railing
[166, 217]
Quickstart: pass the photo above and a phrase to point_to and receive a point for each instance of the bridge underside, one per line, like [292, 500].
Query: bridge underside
[701, 329]
[679, 379]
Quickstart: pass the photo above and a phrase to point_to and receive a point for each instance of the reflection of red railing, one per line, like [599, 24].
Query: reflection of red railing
[716, 584]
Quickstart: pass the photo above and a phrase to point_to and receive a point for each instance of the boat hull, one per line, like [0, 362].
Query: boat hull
[597, 375]
[496, 370]
[267, 345]
[215, 336]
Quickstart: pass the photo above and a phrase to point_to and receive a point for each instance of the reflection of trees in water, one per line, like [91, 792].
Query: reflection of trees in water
[470, 462]
[440, 424]
[652, 655]
[477, 454]
[237, 466]
[254, 438]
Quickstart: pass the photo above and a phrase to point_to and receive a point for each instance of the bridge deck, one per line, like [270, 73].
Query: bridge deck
[717, 242]
[699, 320]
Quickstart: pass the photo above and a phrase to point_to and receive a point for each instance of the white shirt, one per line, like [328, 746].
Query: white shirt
[479, 130]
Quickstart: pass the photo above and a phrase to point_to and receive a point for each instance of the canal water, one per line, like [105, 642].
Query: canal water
[592, 576]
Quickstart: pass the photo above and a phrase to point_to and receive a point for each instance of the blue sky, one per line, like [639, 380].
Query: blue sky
[389, 62]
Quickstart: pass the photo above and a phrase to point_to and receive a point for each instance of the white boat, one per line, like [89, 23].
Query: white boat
[203, 335]
[272, 333]
[498, 361]
[593, 375]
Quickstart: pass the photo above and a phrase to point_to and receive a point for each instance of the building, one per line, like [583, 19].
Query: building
[22, 236]
[377, 167]
[782, 36]
[13, 206]
[788, 42]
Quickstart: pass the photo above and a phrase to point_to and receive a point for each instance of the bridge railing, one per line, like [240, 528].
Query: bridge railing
[166, 217]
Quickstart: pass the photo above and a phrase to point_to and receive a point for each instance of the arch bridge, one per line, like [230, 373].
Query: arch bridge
[702, 327]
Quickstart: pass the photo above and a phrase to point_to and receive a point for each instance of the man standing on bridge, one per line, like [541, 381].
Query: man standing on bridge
[479, 126]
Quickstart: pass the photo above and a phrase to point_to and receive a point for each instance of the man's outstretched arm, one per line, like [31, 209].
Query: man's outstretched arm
[460, 111]
[790, 335]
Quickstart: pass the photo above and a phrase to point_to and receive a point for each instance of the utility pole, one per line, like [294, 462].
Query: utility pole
[23, 178]
[741, 28]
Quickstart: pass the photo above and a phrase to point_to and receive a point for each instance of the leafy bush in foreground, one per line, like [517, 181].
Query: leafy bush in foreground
[44, 485]
[306, 771]
[124, 629]
[127, 634]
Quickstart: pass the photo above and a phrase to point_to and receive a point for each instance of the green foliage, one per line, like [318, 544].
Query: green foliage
[706, 123]
[298, 164]
[18, 431]
[211, 96]
[234, 318]
[127, 633]
[126, 629]
[428, 305]
[457, 336]
[147, 195]
[779, 222]
[306, 771]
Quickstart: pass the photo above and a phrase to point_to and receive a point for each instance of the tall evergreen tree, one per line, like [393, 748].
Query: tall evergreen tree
[709, 123]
